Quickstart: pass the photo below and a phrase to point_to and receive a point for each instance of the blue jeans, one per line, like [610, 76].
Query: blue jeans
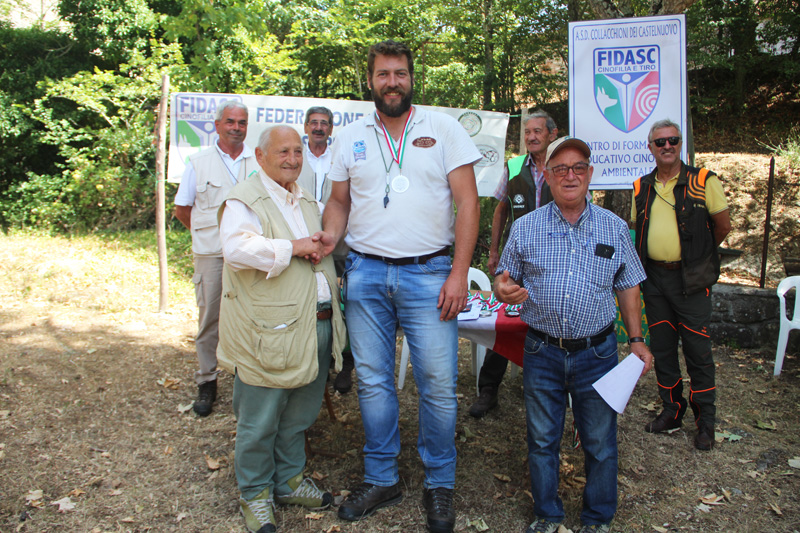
[378, 296]
[549, 374]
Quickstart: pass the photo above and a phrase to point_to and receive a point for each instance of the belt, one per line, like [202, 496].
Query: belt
[324, 311]
[572, 345]
[400, 261]
[666, 265]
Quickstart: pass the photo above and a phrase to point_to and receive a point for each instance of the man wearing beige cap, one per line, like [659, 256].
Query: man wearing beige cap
[564, 263]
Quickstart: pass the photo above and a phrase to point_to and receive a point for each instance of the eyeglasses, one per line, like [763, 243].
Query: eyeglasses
[673, 141]
[319, 123]
[579, 169]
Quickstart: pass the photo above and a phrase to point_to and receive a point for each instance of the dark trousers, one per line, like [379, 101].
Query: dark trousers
[672, 316]
[491, 374]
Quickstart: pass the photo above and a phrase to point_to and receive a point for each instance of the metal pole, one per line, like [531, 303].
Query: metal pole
[770, 186]
[161, 232]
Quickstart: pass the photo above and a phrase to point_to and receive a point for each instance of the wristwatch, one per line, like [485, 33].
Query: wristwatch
[635, 339]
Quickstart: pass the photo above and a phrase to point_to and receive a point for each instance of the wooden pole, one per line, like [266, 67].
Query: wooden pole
[765, 246]
[161, 229]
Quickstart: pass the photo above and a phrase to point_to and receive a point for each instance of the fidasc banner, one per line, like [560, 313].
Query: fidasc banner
[192, 116]
[625, 74]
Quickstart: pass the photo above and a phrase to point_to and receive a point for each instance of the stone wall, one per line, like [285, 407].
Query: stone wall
[748, 317]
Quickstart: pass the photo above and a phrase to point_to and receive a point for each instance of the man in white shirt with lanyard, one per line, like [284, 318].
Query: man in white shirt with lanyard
[396, 174]
[209, 175]
[318, 157]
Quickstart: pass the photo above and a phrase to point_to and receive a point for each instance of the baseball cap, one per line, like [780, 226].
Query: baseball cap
[566, 142]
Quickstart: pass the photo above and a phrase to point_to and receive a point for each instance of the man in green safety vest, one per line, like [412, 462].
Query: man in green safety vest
[521, 190]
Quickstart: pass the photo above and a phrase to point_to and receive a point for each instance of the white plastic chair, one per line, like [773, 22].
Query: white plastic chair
[478, 352]
[787, 324]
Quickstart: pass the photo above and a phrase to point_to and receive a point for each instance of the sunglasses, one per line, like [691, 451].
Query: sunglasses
[673, 141]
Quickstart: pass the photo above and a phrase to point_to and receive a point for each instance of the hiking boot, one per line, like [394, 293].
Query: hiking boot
[596, 528]
[306, 494]
[704, 440]
[258, 513]
[485, 402]
[206, 395]
[439, 504]
[344, 379]
[367, 498]
[543, 526]
[663, 422]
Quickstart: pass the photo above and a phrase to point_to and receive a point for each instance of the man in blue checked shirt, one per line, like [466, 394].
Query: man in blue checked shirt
[564, 263]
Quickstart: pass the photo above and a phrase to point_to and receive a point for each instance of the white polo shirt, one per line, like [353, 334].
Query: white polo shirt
[420, 220]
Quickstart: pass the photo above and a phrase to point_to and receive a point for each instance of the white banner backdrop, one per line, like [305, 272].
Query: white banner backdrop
[192, 120]
[625, 74]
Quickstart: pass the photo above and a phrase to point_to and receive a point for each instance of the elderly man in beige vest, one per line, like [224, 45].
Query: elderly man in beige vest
[280, 320]
[210, 174]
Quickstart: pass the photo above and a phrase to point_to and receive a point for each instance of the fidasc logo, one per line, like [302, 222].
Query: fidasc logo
[195, 121]
[627, 84]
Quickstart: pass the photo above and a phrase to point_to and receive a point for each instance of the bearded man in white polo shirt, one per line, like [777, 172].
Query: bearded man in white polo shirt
[396, 174]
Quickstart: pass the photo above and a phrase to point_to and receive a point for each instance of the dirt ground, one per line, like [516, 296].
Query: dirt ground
[97, 435]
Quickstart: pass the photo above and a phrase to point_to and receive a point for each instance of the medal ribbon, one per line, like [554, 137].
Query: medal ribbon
[397, 153]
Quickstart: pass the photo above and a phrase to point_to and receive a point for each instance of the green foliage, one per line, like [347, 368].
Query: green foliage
[27, 56]
[101, 123]
[228, 46]
[114, 29]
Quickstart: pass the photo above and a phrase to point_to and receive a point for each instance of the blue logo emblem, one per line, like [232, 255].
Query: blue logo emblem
[360, 150]
[627, 84]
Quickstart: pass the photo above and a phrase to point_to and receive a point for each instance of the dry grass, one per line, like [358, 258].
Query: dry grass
[93, 383]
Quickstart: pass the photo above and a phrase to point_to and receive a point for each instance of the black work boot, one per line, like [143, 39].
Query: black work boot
[206, 395]
[485, 402]
[344, 379]
[438, 503]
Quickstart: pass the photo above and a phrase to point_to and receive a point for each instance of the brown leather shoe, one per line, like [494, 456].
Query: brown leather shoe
[663, 422]
[704, 440]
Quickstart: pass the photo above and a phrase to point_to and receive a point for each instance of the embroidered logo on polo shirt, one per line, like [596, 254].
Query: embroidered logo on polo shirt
[360, 150]
[424, 142]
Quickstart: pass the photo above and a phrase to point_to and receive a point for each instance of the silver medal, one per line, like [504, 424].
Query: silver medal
[400, 183]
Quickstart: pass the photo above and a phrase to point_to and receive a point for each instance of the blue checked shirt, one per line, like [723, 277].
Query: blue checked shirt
[571, 271]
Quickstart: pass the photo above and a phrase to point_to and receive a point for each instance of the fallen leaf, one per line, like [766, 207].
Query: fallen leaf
[127, 519]
[776, 509]
[761, 391]
[794, 462]
[769, 426]
[76, 492]
[64, 504]
[502, 477]
[5, 413]
[317, 476]
[490, 451]
[468, 432]
[753, 474]
[180, 517]
[114, 492]
[213, 464]
[333, 529]
[168, 450]
[660, 529]
[650, 406]
[314, 516]
[726, 494]
[2, 454]
[712, 499]
[478, 524]
[777, 492]
[34, 496]
[169, 383]
[743, 379]
[185, 408]
[91, 350]
[703, 507]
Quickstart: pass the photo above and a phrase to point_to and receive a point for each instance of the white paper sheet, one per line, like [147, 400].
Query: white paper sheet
[473, 313]
[617, 385]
